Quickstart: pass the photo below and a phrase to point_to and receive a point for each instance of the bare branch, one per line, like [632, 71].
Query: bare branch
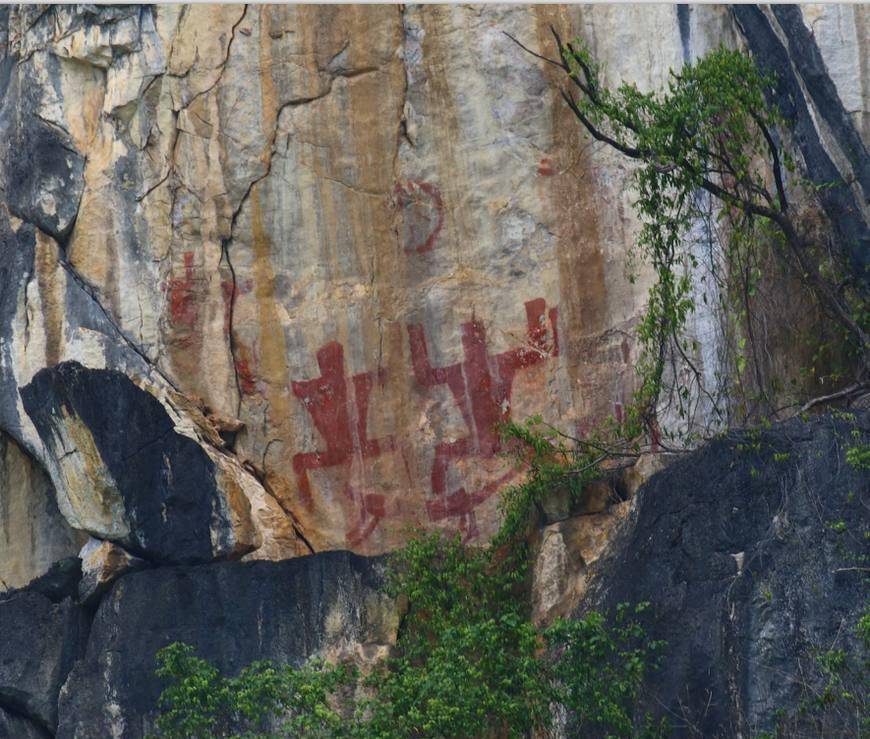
[629, 151]
[777, 167]
[855, 389]
[534, 53]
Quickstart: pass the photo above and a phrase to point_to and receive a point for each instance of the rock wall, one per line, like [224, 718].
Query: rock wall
[86, 673]
[270, 274]
[752, 553]
[33, 533]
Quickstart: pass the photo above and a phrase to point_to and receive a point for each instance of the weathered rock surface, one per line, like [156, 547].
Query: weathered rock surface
[41, 639]
[327, 605]
[355, 236]
[806, 92]
[749, 550]
[752, 552]
[16, 727]
[102, 563]
[33, 533]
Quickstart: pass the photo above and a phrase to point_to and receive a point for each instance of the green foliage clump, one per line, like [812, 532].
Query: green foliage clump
[466, 663]
[858, 456]
[200, 703]
[601, 669]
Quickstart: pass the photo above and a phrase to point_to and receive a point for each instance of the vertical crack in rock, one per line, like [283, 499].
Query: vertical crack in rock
[269, 153]
[222, 66]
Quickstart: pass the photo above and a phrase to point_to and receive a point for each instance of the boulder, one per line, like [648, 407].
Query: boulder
[127, 472]
[102, 563]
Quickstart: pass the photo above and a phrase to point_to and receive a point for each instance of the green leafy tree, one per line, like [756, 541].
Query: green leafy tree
[599, 671]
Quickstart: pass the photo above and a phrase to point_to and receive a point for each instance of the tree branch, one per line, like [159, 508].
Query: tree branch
[777, 167]
[535, 54]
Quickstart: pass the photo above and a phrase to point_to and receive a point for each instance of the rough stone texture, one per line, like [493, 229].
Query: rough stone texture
[352, 237]
[16, 727]
[562, 557]
[738, 552]
[33, 533]
[233, 613]
[41, 639]
[102, 563]
[806, 92]
[154, 488]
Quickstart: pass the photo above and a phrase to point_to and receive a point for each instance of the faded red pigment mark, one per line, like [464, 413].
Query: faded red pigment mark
[343, 424]
[244, 360]
[481, 386]
[183, 308]
[230, 292]
[423, 214]
[546, 168]
[243, 356]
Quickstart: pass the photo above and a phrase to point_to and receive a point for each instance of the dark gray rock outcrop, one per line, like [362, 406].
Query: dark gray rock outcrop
[233, 613]
[41, 172]
[17, 727]
[39, 643]
[750, 551]
[167, 484]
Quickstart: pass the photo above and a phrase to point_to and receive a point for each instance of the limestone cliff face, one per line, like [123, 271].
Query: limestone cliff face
[270, 274]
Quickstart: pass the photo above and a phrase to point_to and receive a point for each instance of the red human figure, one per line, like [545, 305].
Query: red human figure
[343, 424]
[183, 304]
[481, 386]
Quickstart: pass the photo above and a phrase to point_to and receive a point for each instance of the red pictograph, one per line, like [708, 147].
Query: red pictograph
[343, 423]
[481, 386]
[546, 168]
[183, 302]
[422, 214]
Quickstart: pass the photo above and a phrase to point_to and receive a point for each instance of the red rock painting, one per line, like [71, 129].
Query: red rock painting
[422, 215]
[546, 168]
[342, 421]
[481, 387]
[183, 301]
